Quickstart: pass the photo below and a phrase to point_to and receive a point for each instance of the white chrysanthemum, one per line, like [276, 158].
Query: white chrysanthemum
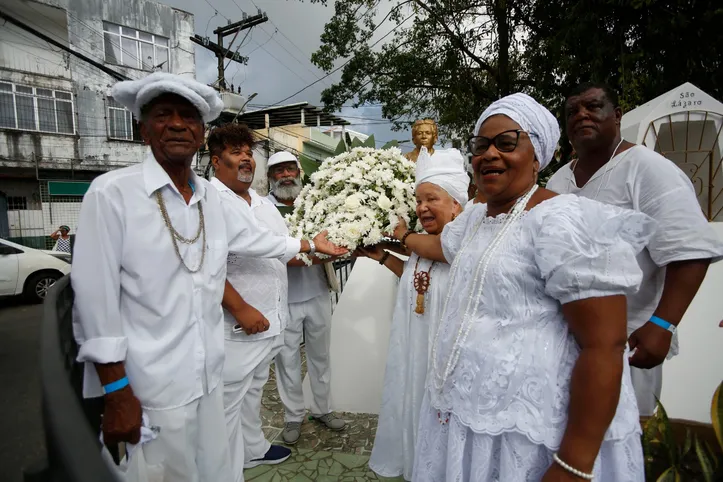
[356, 197]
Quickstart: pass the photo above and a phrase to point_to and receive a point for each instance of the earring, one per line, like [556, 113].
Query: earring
[454, 216]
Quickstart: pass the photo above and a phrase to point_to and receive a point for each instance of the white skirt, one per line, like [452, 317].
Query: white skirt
[454, 453]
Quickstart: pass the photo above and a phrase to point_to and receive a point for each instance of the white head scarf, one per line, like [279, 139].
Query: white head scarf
[445, 169]
[134, 94]
[533, 118]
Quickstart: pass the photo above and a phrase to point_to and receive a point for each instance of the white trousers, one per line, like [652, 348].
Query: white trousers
[647, 383]
[245, 373]
[192, 445]
[313, 318]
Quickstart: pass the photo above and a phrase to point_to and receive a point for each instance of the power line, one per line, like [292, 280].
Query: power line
[277, 29]
[99, 66]
[345, 63]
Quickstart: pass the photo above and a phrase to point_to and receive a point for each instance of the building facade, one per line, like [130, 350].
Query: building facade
[59, 127]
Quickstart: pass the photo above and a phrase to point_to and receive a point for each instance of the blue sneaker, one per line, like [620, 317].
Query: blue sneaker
[275, 455]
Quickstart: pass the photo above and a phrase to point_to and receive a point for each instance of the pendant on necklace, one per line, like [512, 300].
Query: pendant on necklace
[421, 285]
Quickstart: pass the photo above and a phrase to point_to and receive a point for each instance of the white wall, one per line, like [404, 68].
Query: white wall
[690, 379]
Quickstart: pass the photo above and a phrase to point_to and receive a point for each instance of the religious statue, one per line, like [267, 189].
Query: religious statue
[424, 133]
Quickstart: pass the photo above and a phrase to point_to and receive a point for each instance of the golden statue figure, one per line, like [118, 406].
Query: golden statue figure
[424, 133]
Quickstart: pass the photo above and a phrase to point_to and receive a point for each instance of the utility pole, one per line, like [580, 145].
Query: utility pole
[222, 52]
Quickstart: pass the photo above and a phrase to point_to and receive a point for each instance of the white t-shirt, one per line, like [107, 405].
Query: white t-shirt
[641, 179]
[261, 282]
[305, 282]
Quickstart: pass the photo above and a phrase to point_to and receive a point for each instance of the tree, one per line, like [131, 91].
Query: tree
[642, 48]
[445, 59]
[448, 59]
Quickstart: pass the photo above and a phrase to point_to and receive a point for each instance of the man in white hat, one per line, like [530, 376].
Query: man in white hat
[149, 279]
[309, 313]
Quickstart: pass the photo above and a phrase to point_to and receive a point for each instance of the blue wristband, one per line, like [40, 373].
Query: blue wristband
[663, 324]
[115, 386]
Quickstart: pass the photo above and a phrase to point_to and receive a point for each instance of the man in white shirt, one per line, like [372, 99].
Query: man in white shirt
[310, 314]
[149, 278]
[615, 171]
[263, 284]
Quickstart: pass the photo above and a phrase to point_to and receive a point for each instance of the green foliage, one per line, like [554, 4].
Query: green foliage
[439, 61]
[285, 210]
[667, 460]
[308, 165]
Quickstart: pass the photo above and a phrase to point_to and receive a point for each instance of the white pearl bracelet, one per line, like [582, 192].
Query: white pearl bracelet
[570, 469]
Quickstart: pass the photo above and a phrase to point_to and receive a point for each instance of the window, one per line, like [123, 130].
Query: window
[17, 203]
[136, 49]
[121, 124]
[36, 109]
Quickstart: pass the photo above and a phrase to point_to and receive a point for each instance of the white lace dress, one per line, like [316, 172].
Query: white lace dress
[406, 370]
[504, 406]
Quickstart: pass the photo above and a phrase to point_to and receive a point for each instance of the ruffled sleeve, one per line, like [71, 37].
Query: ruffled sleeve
[586, 249]
[454, 232]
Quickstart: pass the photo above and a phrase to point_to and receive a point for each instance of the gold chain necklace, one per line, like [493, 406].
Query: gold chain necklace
[176, 236]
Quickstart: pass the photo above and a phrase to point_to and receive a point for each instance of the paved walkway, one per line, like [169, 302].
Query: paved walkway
[320, 455]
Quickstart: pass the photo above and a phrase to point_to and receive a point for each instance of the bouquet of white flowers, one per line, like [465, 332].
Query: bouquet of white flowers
[356, 196]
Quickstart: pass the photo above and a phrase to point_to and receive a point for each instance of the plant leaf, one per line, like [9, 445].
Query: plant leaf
[356, 143]
[648, 439]
[340, 148]
[713, 455]
[670, 475]
[390, 144]
[370, 142]
[666, 431]
[284, 210]
[308, 165]
[688, 443]
[716, 414]
[706, 465]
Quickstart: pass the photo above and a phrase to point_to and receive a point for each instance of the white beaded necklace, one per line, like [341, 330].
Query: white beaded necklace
[478, 284]
[605, 172]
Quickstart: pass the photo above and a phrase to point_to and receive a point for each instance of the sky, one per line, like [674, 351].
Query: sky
[279, 54]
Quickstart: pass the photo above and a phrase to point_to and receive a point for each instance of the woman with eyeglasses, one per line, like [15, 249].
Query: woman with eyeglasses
[528, 375]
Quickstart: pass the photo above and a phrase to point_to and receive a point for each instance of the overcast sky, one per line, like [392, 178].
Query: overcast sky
[279, 52]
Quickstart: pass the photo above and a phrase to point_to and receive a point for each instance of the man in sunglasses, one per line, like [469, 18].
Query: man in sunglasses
[614, 171]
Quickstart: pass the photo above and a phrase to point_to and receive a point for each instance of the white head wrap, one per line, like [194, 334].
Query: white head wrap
[445, 169]
[134, 94]
[281, 157]
[533, 118]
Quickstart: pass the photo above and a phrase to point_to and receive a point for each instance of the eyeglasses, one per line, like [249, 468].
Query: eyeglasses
[504, 142]
[283, 169]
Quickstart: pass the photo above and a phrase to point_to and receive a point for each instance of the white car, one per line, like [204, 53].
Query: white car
[30, 272]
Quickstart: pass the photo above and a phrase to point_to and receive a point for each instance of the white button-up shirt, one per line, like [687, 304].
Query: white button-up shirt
[134, 300]
[305, 282]
[261, 282]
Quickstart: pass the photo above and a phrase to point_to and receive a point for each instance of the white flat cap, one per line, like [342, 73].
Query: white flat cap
[281, 157]
[134, 94]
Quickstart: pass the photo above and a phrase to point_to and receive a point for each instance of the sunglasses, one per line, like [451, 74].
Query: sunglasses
[504, 142]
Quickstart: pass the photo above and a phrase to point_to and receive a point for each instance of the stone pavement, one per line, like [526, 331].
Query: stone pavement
[320, 455]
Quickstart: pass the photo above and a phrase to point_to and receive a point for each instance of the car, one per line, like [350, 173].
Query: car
[29, 272]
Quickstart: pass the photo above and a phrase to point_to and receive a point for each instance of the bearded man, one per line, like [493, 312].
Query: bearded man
[263, 284]
[149, 280]
[309, 313]
[615, 171]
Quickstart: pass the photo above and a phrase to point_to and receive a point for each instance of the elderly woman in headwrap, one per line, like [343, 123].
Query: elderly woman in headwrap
[441, 191]
[528, 374]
